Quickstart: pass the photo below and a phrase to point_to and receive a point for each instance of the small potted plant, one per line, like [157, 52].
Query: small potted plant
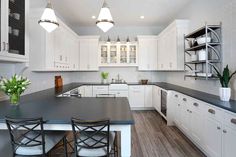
[225, 77]
[14, 87]
[104, 76]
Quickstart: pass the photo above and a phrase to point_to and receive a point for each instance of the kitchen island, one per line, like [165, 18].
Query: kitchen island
[57, 112]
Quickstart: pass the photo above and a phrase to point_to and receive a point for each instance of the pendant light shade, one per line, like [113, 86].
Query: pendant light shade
[48, 20]
[105, 21]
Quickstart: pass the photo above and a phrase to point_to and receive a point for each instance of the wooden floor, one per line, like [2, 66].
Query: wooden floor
[151, 137]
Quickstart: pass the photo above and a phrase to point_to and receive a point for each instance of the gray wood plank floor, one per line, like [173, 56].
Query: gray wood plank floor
[151, 137]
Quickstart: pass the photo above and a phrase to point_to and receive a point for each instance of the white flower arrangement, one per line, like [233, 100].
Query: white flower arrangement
[15, 85]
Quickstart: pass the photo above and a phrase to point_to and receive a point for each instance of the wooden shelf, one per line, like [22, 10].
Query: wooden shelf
[203, 61]
[201, 31]
[202, 46]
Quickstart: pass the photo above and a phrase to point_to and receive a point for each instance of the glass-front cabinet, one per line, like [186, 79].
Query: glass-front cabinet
[114, 54]
[14, 38]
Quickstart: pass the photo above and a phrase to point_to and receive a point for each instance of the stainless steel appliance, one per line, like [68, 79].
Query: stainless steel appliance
[163, 102]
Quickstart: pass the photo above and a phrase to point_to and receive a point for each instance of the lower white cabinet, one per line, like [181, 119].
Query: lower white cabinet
[212, 129]
[97, 90]
[136, 96]
[86, 91]
[156, 98]
[148, 96]
[229, 142]
[213, 139]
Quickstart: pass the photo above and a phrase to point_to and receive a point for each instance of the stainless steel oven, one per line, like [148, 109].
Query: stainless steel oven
[163, 102]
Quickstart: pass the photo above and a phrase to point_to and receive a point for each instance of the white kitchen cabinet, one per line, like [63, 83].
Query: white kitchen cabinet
[136, 96]
[228, 142]
[176, 111]
[185, 115]
[88, 53]
[148, 96]
[86, 91]
[213, 137]
[118, 54]
[14, 41]
[148, 49]
[55, 51]
[171, 46]
[156, 97]
[97, 90]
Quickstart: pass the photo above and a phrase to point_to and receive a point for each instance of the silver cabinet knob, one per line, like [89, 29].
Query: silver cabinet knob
[218, 127]
[184, 99]
[211, 111]
[224, 131]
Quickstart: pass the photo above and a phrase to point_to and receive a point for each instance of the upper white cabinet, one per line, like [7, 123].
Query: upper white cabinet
[88, 53]
[14, 44]
[148, 46]
[171, 46]
[118, 54]
[55, 51]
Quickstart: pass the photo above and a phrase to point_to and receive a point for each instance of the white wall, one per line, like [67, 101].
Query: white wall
[211, 11]
[128, 74]
[122, 32]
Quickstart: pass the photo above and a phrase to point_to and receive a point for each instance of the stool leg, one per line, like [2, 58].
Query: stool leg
[65, 146]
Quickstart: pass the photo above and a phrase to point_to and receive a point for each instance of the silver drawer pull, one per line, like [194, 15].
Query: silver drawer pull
[218, 128]
[176, 96]
[196, 104]
[224, 131]
[184, 99]
[233, 121]
[211, 111]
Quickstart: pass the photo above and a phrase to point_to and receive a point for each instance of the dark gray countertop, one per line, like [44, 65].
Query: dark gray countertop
[59, 110]
[206, 97]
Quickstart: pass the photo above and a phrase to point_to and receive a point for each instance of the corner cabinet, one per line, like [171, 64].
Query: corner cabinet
[88, 53]
[55, 51]
[171, 46]
[148, 46]
[14, 30]
[118, 54]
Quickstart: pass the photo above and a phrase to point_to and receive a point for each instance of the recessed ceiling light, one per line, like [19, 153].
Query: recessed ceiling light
[93, 17]
[142, 17]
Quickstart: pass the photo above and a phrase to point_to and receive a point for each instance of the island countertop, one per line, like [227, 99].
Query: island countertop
[59, 110]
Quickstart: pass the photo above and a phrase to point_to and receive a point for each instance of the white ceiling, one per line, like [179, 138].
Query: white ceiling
[125, 12]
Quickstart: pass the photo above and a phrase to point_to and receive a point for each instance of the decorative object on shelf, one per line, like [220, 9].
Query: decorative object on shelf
[105, 21]
[203, 40]
[104, 76]
[108, 40]
[203, 51]
[48, 20]
[14, 87]
[225, 77]
[127, 40]
[58, 81]
[118, 40]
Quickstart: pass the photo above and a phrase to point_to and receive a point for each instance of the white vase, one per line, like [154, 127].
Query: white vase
[225, 94]
[104, 81]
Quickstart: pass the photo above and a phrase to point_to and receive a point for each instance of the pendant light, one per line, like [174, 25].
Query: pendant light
[127, 40]
[105, 21]
[48, 20]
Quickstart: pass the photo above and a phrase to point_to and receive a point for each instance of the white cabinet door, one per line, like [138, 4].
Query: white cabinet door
[88, 91]
[213, 137]
[177, 109]
[156, 97]
[229, 142]
[83, 54]
[136, 96]
[148, 96]
[93, 55]
[148, 53]
[197, 123]
[100, 90]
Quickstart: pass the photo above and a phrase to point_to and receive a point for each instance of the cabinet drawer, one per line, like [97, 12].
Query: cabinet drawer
[136, 88]
[100, 88]
[230, 120]
[213, 112]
